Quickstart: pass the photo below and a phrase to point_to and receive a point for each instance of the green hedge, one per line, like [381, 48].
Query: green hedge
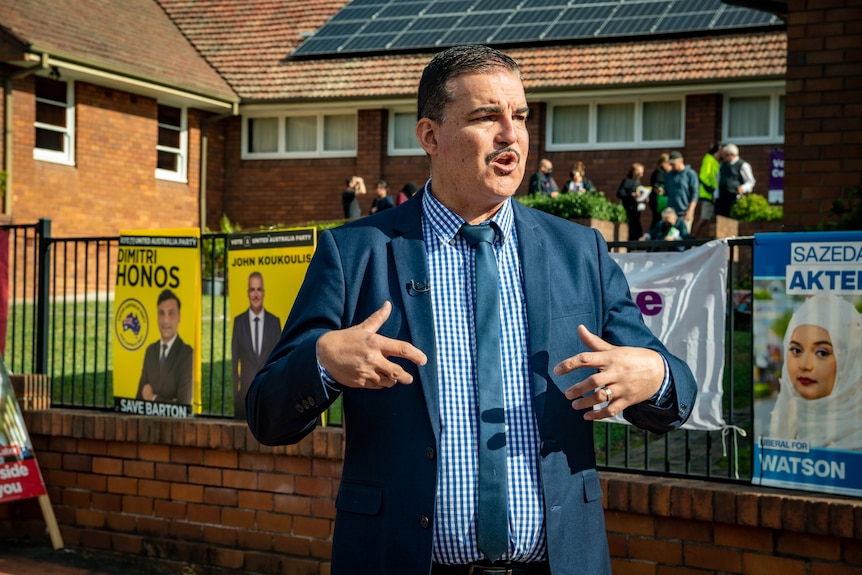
[573, 206]
[755, 208]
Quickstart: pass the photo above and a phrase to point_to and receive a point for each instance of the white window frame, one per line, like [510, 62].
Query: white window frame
[282, 116]
[593, 144]
[182, 153]
[776, 123]
[392, 150]
[66, 157]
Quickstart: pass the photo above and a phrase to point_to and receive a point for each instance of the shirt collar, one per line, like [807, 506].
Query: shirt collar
[446, 223]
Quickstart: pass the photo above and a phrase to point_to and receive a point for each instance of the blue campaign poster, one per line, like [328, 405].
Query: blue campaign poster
[807, 337]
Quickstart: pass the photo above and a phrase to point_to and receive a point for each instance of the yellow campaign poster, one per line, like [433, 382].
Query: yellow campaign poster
[157, 325]
[265, 271]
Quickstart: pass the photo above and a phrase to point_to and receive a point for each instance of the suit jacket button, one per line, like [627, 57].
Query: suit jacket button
[305, 404]
[425, 522]
[430, 453]
[311, 401]
[299, 407]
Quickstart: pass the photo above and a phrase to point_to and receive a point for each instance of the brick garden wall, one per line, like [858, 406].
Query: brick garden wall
[204, 492]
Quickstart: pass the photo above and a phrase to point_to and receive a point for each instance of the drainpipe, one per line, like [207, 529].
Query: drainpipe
[7, 126]
[202, 202]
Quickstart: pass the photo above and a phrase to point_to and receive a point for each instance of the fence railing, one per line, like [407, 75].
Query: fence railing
[61, 317]
[726, 454]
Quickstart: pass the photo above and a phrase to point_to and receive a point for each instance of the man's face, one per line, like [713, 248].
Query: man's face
[169, 319]
[255, 294]
[479, 152]
[677, 165]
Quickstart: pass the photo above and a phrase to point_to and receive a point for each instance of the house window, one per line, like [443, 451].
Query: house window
[402, 133]
[616, 124]
[571, 125]
[299, 135]
[262, 135]
[55, 121]
[171, 151]
[754, 119]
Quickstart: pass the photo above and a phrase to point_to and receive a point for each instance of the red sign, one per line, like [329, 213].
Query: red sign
[20, 480]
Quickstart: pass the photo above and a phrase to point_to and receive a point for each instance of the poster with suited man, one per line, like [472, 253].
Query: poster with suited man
[157, 323]
[255, 333]
[268, 268]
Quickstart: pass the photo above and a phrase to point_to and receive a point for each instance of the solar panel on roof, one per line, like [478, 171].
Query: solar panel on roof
[641, 9]
[735, 17]
[465, 36]
[402, 9]
[439, 23]
[627, 26]
[446, 7]
[677, 22]
[484, 20]
[366, 42]
[517, 32]
[494, 5]
[547, 17]
[364, 26]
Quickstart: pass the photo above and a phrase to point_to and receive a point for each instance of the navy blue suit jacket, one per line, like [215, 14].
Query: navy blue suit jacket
[385, 504]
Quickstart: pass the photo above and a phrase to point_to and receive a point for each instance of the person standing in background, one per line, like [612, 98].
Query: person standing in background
[406, 193]
[735, 179]
[355, 187]
[542, 182]
[630, 194]
[682, 188]
[658, 198]
[708, 185]
[383, 201]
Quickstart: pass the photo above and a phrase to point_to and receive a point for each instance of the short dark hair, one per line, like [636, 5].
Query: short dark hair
[166, 295]
[434, 89]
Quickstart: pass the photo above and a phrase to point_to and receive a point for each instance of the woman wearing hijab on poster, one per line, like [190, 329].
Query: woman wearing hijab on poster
[820, 400]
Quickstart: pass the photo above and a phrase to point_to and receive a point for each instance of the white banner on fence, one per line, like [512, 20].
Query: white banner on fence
[683, 299]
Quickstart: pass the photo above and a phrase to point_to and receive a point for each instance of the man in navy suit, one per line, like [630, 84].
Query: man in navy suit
[255, 333]
[166, 376]
[385, 319]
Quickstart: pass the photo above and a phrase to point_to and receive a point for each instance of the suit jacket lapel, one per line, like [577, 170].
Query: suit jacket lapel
[411, 268]
[537, 286]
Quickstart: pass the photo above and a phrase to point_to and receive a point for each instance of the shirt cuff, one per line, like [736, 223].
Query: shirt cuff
[328, 382]
[661, 394]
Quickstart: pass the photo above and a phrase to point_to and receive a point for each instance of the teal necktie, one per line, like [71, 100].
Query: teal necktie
[492, 527]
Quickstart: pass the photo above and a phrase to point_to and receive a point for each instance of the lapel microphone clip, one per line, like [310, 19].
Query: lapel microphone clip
[414, 287]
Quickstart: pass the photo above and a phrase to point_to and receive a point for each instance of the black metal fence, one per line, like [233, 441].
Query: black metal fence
[61, 319]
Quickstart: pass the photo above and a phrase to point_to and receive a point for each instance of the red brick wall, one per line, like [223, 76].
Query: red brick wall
[204, 492]
[823, 115]
[112, 185]
[268, 192]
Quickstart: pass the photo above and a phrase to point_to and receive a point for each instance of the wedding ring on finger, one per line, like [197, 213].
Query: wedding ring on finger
[609, 394]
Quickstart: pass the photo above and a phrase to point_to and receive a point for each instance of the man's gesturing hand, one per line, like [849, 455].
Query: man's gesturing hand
[626, 375]
[358, 356]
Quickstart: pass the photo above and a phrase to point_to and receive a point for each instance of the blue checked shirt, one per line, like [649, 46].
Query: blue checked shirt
[450, 266]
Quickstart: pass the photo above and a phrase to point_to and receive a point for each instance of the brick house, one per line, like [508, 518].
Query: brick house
[125, 140]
